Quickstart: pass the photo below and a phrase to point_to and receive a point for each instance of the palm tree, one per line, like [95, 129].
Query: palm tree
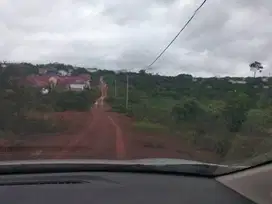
[256, 67]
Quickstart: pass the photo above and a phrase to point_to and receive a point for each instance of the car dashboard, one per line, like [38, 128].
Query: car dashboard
[114, 187]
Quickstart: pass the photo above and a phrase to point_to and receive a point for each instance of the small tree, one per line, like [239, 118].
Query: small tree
[142, 72]
[256, 67]
[235, 111]
[80, 71]
[188, 110]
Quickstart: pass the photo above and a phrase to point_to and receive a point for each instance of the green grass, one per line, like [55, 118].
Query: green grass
[162, 103]
[148, 126]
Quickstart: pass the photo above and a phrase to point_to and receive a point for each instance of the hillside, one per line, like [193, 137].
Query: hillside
[227, 116]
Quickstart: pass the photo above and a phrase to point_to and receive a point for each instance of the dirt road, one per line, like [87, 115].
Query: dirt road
[101, 138]
[105, 135]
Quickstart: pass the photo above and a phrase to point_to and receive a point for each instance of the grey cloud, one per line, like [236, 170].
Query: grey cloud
[126, 34]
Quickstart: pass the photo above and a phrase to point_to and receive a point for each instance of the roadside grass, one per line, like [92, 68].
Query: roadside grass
[162, 103]
[249, 150]
[149, 126]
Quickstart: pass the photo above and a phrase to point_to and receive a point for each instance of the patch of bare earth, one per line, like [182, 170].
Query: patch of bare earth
[46, 145]
[141, 145]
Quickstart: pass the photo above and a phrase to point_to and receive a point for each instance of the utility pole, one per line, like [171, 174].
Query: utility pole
[115, 89]
[101, 81]
[127, 93]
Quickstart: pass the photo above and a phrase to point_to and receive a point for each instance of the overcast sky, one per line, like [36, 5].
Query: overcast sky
[223, 39]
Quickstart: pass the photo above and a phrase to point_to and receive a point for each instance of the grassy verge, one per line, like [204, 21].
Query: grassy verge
[149, 127]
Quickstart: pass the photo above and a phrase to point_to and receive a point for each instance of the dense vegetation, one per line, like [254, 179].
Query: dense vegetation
[26, 111]
[215, 114]
[212, 113]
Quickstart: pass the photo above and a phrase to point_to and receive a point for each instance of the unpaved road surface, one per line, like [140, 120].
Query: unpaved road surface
[104, 135]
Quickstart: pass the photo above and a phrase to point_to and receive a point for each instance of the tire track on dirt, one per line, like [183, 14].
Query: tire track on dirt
[119, 142]
[76, 140]
[101, 139]
[98, 138]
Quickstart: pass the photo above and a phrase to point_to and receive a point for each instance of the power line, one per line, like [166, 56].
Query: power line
[177, 34]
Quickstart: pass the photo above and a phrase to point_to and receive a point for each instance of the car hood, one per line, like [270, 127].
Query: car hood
[137, 165]
[156, 161]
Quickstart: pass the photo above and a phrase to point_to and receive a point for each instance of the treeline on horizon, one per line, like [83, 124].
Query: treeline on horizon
[25, 68]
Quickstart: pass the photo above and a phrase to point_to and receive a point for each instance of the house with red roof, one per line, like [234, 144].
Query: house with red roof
[76, 83]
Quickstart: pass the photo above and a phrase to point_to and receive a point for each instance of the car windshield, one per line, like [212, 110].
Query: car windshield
[136, 79]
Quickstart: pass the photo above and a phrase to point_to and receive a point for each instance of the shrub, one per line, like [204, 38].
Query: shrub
[258, 120]
[78, 101]
[149, 126]
[235, 112]
[188, 110]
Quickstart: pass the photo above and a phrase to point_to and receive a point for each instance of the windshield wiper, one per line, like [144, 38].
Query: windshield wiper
[61, 166]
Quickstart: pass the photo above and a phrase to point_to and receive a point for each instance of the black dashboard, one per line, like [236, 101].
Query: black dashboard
[114, 188]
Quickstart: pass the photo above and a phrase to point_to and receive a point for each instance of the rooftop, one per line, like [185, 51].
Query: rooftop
[42, 81]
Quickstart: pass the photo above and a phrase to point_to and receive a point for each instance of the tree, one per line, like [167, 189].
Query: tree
[256, 67]
[188, 110]
[142, 72]
[80, 71]
[235, 111]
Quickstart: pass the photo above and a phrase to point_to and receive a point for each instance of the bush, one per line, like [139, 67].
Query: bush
[119, 108]
[188, 110]
[25, 126]
[258, 120]
[77, 101]
[20, 107]
[149, 126]
[235, 112]
[215, 108]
